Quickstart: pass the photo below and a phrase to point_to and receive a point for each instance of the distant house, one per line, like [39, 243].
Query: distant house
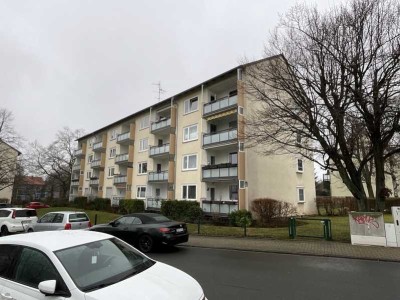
[8, 170]
[30, 188]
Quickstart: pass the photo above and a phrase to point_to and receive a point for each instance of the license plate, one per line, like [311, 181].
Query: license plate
[180, 230]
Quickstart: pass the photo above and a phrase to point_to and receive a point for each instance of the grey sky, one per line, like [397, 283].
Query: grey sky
[85, 64]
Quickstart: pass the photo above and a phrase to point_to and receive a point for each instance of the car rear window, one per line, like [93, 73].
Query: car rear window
[25, 213]
[161, 219]
[78, 218]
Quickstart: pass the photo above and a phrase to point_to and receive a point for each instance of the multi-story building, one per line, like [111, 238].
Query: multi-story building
[8, 170]
[190, 147]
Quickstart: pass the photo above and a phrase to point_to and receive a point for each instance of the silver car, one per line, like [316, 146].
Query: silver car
[62, 220]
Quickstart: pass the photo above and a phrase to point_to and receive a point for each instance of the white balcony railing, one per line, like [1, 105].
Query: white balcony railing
[123, 136]
[157, 150]
[120, 179]
[218, 137]
[98, 145]
[158, 176]
[121, 157]
[160, 124]
[220, 104]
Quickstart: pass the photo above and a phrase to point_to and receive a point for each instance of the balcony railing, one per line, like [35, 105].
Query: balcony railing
[221, 171]
[160, 124]
[211, 207]
[96, 163]
[74, 182]
[76, 167]
[219, 105]
[158, 150]
[158, 176]
[94, 181]
[154, 203]
[220, 137]
[120, 158]
[98, 146]
[118, 179]
[124, 138]
[79, 153]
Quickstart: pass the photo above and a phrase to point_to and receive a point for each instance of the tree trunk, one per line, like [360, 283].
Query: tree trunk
[379, 179]
[393, 176]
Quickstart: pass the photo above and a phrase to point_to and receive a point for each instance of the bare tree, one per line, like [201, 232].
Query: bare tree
[55, 160]
[9, 141]
[339, 75]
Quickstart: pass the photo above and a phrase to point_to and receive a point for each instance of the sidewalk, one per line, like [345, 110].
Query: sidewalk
[297, 246]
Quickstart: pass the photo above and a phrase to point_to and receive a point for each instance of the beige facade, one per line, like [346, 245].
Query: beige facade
[8, 162]
[187, 148]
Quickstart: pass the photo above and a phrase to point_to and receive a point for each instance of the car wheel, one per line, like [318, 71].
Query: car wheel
[30, 230]
[145, 243]
[4, 231]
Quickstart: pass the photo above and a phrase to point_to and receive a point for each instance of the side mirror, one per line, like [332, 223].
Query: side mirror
[39, 221]
[48, 287]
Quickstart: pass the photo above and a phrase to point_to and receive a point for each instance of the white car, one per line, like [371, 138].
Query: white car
[14, 220]
[86, 265]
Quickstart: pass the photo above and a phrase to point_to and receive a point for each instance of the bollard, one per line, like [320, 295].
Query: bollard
[292, 228]
[95, 219]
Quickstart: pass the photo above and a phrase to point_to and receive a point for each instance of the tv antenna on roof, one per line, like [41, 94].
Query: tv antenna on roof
[159, 91]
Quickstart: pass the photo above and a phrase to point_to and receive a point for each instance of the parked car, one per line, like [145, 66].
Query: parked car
[85, 265]
[36, 205]
[146, 230]
[4, 205]
[62, 220]
[14, 220]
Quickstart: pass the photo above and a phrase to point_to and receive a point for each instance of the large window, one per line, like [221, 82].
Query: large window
[190, 162]
[191, 105]
[190, 133]
[189, 192]
[144, 144]
[145, 122]
[141, 192]
[111, 172]
[300, 194]
[142, 168]
[113, 152]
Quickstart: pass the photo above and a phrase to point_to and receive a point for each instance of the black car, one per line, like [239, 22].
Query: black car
[146, 230]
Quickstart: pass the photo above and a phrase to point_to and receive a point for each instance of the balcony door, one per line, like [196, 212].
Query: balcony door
[158, 168]
[160, 143]
[233, 158]
[212, 194]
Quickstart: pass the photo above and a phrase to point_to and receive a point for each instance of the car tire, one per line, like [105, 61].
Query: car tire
[145, 243]
[30, 230]
[4, 231]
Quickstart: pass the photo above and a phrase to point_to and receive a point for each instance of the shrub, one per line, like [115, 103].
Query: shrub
[240, 218]
[102, 204]
[271, 211]
[128, 206]
[80, 202]
[187, 211]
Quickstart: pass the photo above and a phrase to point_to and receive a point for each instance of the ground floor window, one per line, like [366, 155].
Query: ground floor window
[141, 192]
[189, 192]
[300, 194]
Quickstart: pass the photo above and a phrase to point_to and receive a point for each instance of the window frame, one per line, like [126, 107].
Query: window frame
[141, 141]
[187, 191]
[113, 172]
[138, 192]
[189, 106]
[90, 158]
[140, 168]
[298, 189]
[113, 134]
[299, 170]
[143, 124]
[88, 175]
[188, 133]
[113, 152]
[183, 162]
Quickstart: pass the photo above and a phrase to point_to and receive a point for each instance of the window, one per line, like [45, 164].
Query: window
[141, 192]
[48, 218]
[242, 184]
[88, 175]
[144, 145]
[111, 172]
[7, 256]
[90, 158]
[190, 162]
[233, 158]
[241, 146]
[113, 134]
[113, 152]
[241, 110]
[233, 192]
[189, 192]
[190, 133]
[300, 166]
[300, 194]
[145, 122]
[142, 168]
[191, 105]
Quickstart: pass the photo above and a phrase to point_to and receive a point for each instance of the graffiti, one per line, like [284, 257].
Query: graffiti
[366, 220]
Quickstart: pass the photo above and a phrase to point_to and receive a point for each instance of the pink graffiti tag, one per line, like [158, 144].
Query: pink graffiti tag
[366, 220]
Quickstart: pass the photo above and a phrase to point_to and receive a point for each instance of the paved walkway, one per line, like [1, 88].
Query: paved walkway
[297, 246]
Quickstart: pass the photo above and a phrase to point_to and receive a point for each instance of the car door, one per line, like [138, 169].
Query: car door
[8, 254]
[44, 223]
[57, 222]
[31, 268]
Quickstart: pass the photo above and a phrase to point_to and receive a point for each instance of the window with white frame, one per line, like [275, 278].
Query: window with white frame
[142, 168]
[242, 184]
[241, 146]
[145, 122]
[189, 192]
[113, 152]
[241, 110]
[141, 192]
[300, 194]
[190, 133]
[144, 144]
[300, 165]
[113, 134]
[90, 158]
[111, 171]
[88, 175]
[189, 162]
[191, 105]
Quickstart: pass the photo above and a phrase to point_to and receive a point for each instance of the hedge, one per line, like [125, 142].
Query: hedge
[186, 211]
[128, 206]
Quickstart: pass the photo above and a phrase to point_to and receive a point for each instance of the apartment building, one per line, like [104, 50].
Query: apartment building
[190, 147]
[8, 170]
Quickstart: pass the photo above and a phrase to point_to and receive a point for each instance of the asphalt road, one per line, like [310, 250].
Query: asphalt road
[229, 274]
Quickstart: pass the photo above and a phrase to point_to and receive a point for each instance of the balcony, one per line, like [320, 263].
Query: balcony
[97, 164]
[79, 153]
[99, 147]
[161, 126]
[221, 138]
[94, 181]
[123, 159]
[220, 105]
[120, 179]
[223, 208]
[154, 203]
[75, 182]
[76, 168]
[159, 150]
[220, 172]
[158, 176]
[125, 138]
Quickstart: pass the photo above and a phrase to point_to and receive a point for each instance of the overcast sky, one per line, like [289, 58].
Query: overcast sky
[85, 64]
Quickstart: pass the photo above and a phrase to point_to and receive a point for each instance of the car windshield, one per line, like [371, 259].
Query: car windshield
[98, 264]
